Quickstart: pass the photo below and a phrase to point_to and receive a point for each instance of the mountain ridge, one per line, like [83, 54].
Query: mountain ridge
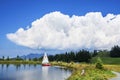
[32, 56]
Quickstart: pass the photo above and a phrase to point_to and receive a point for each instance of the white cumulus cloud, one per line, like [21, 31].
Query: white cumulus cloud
[56, 30]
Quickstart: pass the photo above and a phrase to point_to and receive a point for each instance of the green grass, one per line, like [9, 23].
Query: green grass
[112, 64]
[91, 73]
[108, 60]
[112, 67]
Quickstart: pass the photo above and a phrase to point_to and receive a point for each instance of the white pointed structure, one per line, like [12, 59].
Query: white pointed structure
[45, 61]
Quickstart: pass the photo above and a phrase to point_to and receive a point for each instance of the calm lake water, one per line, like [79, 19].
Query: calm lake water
[32, 72]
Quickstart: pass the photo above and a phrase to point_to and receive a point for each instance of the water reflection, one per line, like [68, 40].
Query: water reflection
[32, 72]
[45, 72]
[2, 66]
[17, 66]
[7, 65]
[24, 66]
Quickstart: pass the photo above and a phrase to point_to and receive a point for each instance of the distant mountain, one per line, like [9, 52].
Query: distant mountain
[31, 56]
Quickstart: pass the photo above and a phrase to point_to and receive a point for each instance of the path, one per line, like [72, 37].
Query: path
[118, 76]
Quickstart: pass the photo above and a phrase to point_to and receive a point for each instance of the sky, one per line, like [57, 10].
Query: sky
[56, 26]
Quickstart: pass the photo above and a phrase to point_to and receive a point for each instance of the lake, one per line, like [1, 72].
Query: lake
[32, 72]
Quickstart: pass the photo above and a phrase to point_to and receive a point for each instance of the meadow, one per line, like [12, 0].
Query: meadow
[107, 60]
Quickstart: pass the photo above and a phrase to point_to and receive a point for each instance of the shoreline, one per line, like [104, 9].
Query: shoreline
[20, 62]
[91, 73]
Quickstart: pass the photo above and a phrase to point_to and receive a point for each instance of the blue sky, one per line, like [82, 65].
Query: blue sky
[21, 13]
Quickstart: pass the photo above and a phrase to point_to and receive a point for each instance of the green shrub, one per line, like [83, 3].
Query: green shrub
[99, 64]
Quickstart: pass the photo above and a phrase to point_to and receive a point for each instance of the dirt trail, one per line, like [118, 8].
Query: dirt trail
[116, 78]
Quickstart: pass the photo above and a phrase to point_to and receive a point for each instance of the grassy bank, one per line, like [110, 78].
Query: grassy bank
[20, 62]
[91, 73]
[113, 67]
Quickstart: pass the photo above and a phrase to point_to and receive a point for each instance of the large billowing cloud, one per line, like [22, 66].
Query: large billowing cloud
[59, 31]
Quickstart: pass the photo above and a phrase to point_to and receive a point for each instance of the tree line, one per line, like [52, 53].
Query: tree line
[84, 55]
[115, 51]
[80, 56]
[17, 58]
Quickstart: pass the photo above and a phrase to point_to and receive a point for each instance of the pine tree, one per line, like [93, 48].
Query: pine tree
[99, 64]
[115, 51]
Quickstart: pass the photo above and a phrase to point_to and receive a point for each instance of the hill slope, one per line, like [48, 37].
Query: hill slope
[31, 56]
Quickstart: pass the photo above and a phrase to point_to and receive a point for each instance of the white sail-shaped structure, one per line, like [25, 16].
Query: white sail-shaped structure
[45, 61]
